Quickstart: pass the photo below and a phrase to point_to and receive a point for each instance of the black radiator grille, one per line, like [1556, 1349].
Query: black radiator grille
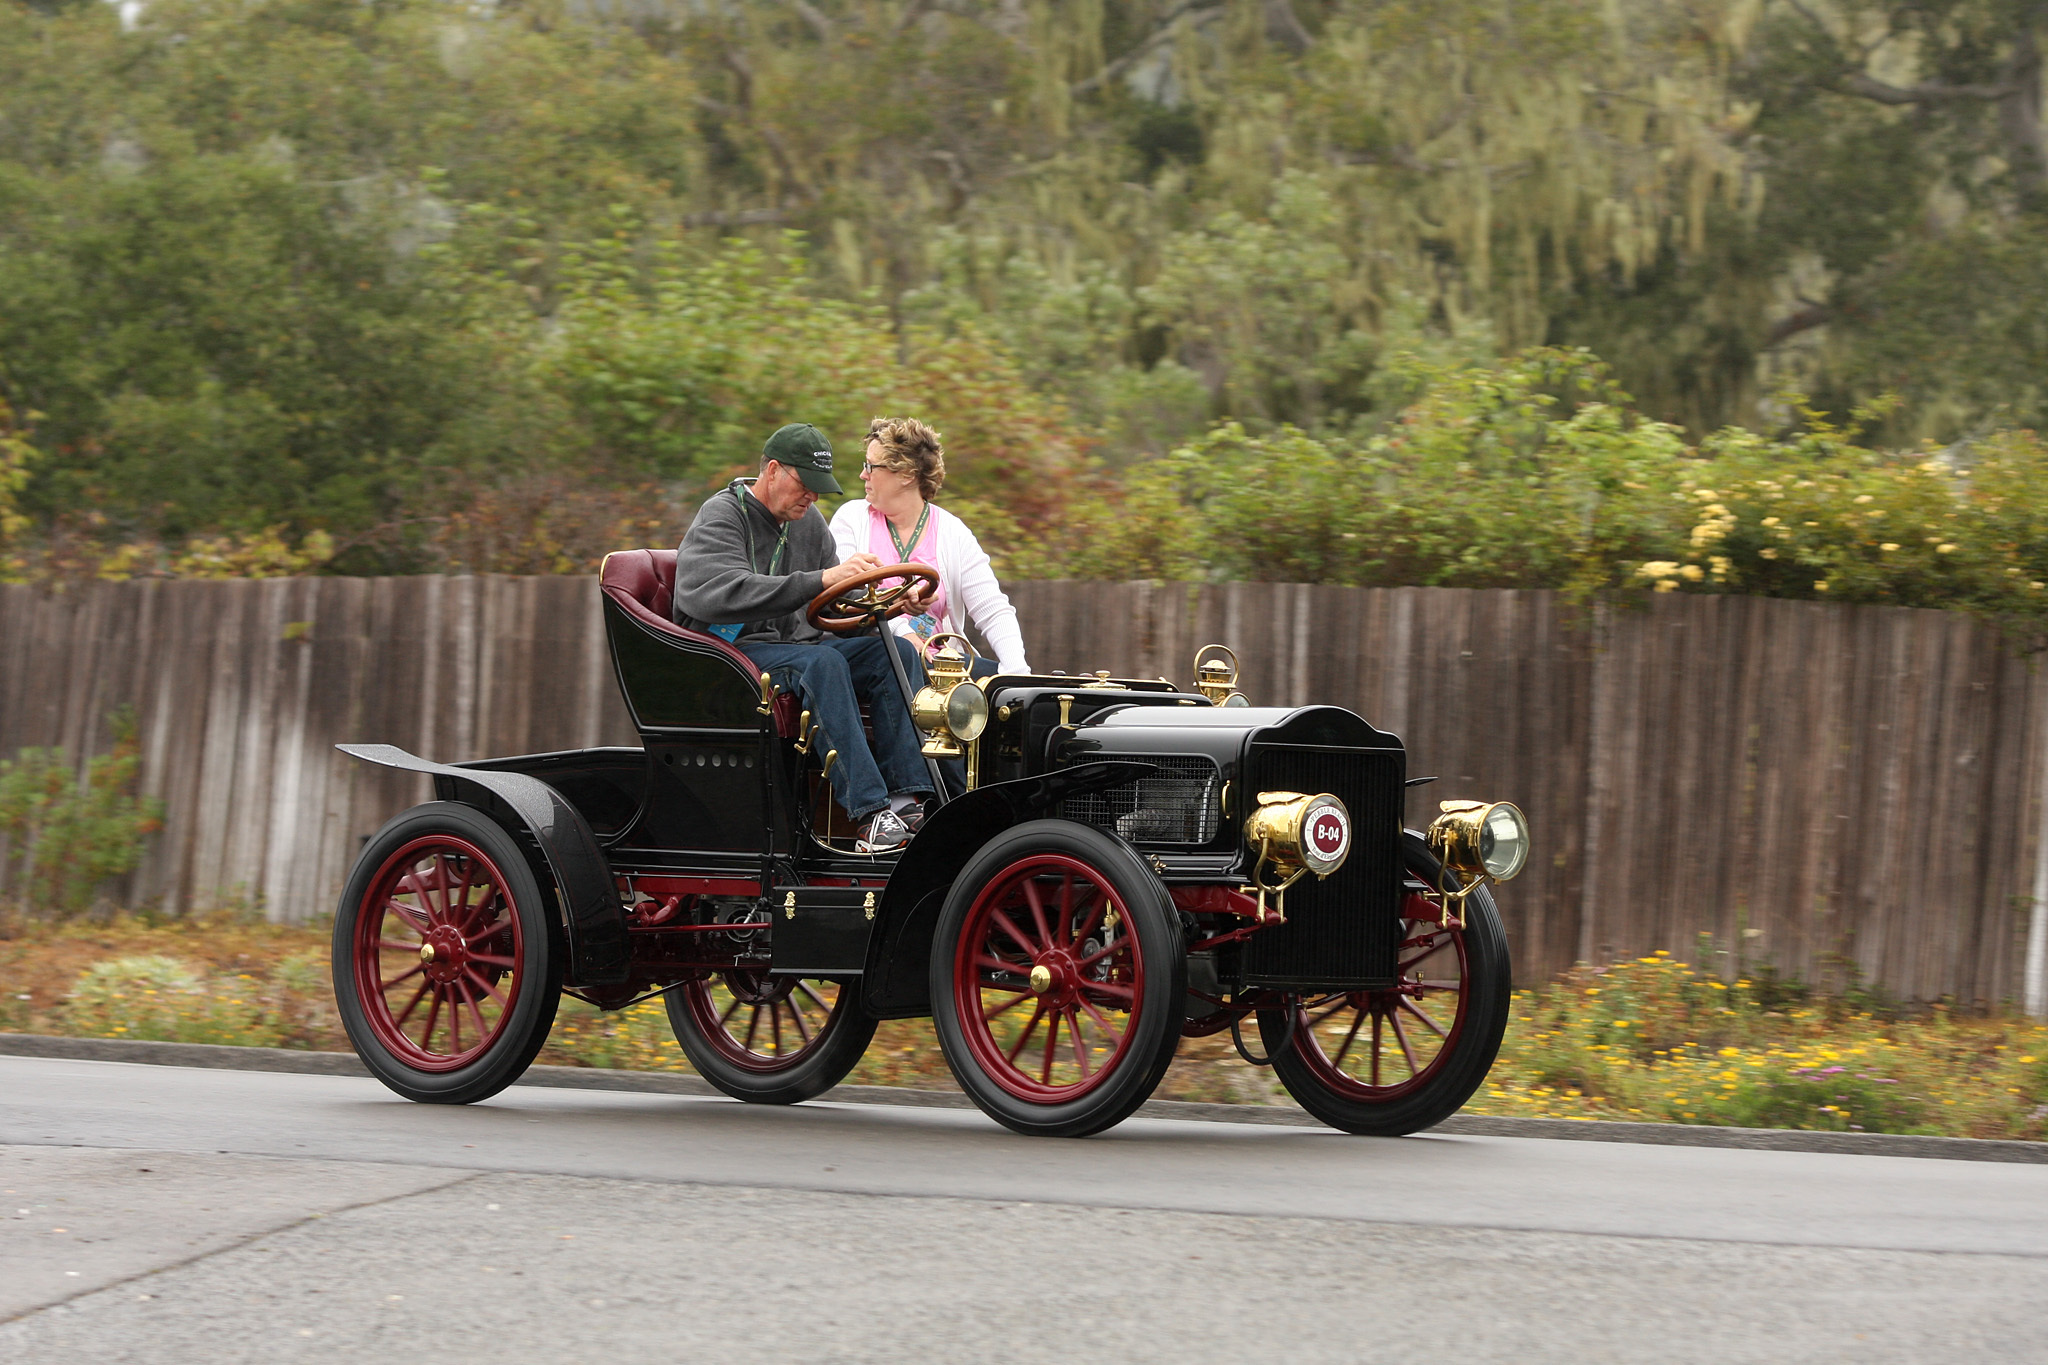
[1340, 931]
[1176, 805]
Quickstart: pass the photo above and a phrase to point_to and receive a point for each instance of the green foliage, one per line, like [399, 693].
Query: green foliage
[1655, 1039]
[166, 1000]
[67, 833]
[675, 365]
[324, 286]
[16, 457]
[1538, 472]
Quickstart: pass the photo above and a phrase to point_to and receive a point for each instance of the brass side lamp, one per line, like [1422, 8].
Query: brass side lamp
[951, 710]
[1480, 841]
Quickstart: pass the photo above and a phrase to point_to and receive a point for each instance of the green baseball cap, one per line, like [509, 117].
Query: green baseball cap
[804, 448]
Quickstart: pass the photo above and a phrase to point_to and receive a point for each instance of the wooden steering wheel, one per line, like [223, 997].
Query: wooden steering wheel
[842, 610]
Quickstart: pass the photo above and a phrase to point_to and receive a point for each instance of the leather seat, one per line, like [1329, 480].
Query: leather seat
[643, 583]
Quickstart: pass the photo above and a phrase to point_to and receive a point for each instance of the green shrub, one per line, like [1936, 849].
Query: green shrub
[1537, 472]
[167, 1000]
[66, 833]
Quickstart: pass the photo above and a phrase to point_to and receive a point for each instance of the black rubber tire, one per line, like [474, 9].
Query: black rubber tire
[1155, 1031]
[524, 1029]
[841, 1044]
[1476, 1043]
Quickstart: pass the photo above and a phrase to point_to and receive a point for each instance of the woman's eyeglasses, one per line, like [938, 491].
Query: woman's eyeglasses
[868, 467]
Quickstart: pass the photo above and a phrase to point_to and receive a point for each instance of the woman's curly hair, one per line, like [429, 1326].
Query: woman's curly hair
[910, 447]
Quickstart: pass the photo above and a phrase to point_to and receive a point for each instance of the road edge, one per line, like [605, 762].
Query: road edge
[218, 1057]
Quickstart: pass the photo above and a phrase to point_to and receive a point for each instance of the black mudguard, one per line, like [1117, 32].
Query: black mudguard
[592, 918]
[897, 983]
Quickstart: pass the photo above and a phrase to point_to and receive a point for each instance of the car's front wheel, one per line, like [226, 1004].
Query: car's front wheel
[1398, 1060]
[447, 962]
[1058, 975]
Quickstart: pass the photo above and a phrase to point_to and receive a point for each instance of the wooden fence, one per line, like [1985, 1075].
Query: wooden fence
[1825, 789]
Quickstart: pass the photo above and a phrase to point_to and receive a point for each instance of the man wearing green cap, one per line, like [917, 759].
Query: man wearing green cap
[751, 562]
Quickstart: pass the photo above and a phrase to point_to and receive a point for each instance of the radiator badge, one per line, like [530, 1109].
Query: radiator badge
[868, 905]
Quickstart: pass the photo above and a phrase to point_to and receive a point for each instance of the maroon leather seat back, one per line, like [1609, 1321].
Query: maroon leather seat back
[643, 583]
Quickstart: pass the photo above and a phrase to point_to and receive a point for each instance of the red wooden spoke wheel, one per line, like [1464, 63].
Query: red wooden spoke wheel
[1404, 1057]
[1045, 975]
[1058, 977]
[439, 955]
[770, 1038]
[1379, 1045]
[446, 965]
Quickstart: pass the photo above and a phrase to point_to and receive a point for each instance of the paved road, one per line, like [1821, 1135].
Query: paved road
[165, 1214]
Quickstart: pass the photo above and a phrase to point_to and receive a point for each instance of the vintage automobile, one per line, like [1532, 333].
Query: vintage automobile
[1117, 863]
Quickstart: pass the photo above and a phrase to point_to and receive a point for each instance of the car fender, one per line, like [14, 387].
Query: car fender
[897, 983]
[592, 918]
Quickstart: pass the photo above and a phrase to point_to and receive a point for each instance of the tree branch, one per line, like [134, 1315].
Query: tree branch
[912, 12]
[735, 218]
[820, 25]
[743, 77]
[1800, 320]
[1283, 28]
[1168, 26]
[1870, 88]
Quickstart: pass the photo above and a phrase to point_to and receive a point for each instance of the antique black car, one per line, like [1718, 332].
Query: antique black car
[1117, 863]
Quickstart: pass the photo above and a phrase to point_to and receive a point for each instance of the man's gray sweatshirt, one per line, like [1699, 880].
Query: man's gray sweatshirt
[722, 569]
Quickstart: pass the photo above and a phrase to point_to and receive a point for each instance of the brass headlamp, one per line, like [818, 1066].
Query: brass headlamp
[1481, 841]
[950, 710]
[1295, 834]
[1216, 679]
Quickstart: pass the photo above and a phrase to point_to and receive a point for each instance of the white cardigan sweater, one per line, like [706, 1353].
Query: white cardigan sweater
[964, 573]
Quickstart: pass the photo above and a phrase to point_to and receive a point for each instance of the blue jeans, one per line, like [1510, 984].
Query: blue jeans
[827, 677]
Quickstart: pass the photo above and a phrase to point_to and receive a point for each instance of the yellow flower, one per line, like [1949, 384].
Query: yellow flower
[1889, 545]
[1820, 585]
[1863, 497]
[1692, 573]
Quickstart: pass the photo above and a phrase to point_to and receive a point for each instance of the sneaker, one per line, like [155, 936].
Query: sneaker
[912, 816]
[886, 832]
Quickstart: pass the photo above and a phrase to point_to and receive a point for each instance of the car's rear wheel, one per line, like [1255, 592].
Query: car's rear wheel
[770, 1039]
[1394, 1061]
[1058, 974]
[447, 965]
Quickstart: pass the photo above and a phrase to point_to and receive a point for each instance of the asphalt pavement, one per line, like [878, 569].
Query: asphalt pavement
[170, 1214]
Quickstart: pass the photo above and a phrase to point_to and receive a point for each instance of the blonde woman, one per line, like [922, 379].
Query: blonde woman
[898, 523]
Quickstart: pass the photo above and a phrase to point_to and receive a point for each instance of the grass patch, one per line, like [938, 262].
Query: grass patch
[1654, 1040]
[1650, 1040]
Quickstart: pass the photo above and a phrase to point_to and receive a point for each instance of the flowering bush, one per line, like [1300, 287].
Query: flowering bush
[168, 1000]
[1656, 1040]
[1537, 472]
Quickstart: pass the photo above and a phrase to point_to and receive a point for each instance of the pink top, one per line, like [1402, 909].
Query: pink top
[882, 546]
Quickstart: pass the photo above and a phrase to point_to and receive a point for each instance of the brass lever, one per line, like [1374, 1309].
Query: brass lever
[767, 706]
[803, 733]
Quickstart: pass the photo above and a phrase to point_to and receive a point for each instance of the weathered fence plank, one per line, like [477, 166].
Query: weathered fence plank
[1829, 790]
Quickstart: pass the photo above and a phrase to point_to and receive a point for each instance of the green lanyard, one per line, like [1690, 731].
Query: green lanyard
[781, 541]
[917, 534]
